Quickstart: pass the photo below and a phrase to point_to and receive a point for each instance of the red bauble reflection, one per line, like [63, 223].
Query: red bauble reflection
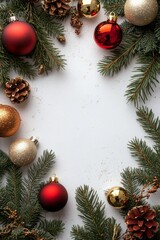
[19, 38]
[53, 196]
[108, 34]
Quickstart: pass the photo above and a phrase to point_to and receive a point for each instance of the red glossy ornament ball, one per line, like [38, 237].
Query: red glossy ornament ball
[19, 38]
[108, 34]
[53, 196]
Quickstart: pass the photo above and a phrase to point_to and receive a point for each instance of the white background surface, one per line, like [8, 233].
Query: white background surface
[84, 118]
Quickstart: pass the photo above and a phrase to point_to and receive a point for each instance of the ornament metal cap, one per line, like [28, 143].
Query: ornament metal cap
[54, 179]
[12, 17]
[35, 140]
[112, 17]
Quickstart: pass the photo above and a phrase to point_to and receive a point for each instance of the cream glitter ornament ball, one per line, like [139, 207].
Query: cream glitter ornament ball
[141, 12]
[23, 151]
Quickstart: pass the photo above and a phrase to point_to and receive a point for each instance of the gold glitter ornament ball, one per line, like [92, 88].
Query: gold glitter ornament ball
[117, 197]
[141, 12]
[9, 121]
[88, 8]
[23, 151]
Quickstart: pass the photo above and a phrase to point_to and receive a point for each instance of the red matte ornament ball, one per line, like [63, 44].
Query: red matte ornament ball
[108, 34]
[53, 197]
[19, 38]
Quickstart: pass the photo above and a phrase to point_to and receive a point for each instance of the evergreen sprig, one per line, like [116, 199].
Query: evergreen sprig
[114, 6]
[92, 212]
[45, 53]
[140, 42]
[21, 216]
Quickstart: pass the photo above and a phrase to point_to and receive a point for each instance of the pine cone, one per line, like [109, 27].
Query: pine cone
[140, 222]
[75, 20]
[56, 7]
[61, 38]
[17, 90]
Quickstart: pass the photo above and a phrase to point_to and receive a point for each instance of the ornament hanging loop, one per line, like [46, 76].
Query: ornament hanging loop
[112, 17]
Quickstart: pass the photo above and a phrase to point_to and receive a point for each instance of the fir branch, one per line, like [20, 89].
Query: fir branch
[32, 184]
[37, 172]
[157, 27]
[92, 213]
[18, 7]
[22, 67]
[4, 15]
[145, 80]
[3, 204]
[116, 6]
[142, 176]
[144, 155]
[148, 43]
[112, 229]
[14, 188]
[53, 227]
[31, 214]
[150, 123]
[130, 183]
[5, 163]
[45, 54]
[80, 233]
[51, 24]
[120, 57]
[4, 67]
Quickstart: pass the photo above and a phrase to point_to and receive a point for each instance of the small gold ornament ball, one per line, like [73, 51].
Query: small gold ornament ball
[23, 151]
[141, 12]
[9, 121]
[88, 8]
[117, 197]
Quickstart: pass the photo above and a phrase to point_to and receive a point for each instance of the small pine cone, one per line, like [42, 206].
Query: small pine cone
[56, 7]
[140, 222]
[61, 38]
[17, 90]
[75, 20]
[41, 69]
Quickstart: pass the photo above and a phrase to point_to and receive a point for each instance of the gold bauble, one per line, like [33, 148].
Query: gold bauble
[117, 197]
[141, 12]
[9, 121]
[88, 8]
[23, 151]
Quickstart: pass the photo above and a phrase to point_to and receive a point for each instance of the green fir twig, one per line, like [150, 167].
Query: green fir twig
[92, 212]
